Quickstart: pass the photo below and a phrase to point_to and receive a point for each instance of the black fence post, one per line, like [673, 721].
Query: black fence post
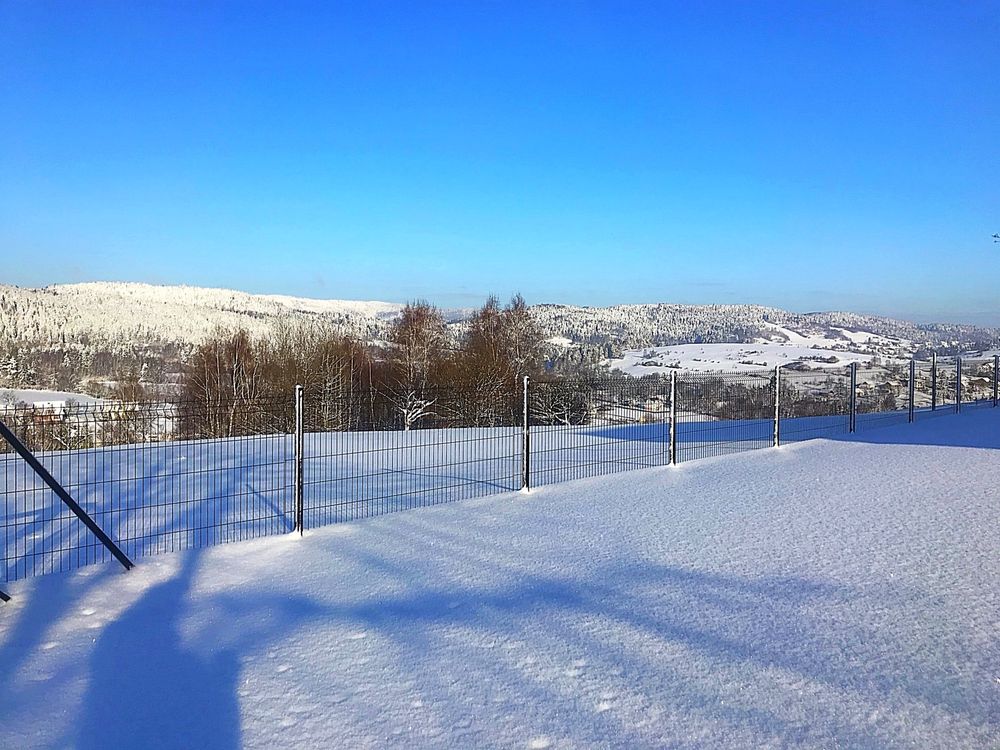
[63, 495]
[525, 440]
[912, 388]
[777, 406]
[996, 378]
[958, 385]
[853, 422]
[299, 444]
[934, 381]
[673, 418]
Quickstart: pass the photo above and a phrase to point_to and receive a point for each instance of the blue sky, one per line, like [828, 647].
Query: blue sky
[805, 155]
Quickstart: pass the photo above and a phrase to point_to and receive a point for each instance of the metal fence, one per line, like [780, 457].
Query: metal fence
[154, 477]
[406, 449]
[582, 428]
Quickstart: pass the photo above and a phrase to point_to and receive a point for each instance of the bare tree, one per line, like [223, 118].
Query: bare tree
[501, 345]
[221, 383]
[419, 341]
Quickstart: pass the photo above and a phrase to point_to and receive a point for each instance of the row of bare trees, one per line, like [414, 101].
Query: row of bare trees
[426, 373]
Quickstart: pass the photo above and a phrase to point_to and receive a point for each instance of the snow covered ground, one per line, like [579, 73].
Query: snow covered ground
[826, 594]
[171, 495]
[786, 346]
[43, 398]
[729, 358]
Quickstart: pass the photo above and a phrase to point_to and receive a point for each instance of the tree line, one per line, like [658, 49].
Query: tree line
[422, 375]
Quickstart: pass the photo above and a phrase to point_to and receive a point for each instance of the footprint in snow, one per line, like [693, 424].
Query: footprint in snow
[283, 668]
[540, 743]
[50, 645]
[357, 636]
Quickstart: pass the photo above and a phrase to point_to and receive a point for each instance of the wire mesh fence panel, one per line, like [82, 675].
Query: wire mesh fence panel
[814, 403]
[159, 476]
[946, 386]
[720, 413]
[153, 476]
[925, 390]
[883, 394]
[385, 450]
[583, 428]
[977, 382]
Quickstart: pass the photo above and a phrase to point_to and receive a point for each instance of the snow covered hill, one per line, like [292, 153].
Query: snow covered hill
[625, 327]
[145, 313]
[660, 360]
[835, 348]
[112, 315]
[826, 594]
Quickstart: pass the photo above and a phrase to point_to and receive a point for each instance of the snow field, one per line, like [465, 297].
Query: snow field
[711, 358]
[42, 398]
[169, 496]
[827, 594]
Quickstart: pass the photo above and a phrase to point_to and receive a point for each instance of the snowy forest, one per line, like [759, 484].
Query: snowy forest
[98, 338]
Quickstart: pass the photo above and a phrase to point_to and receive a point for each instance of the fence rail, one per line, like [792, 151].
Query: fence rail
[156, 477]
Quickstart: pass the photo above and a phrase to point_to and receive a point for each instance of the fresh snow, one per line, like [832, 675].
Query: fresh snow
[560, 341]
[865, 337]
[111, 314]
[825, 594]
[729, 357]
[48, 399]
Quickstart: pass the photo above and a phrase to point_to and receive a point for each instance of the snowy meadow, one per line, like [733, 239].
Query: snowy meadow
[828, 593]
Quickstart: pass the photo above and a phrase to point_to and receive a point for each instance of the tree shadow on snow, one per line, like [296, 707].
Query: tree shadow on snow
[734, 621]
[147, 690]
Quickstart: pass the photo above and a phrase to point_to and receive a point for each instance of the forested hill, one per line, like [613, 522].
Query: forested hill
[111, 312]
[94, 329]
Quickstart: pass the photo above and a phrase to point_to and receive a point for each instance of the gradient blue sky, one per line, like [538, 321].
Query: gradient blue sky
[802, 154]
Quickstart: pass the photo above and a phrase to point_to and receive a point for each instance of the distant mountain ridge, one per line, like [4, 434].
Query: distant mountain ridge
[117, 312]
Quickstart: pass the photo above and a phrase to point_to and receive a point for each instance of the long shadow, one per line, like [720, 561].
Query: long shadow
[147, 690]
[976, 426]
[729, 618]
[701, 430]
[942, 428]
[51, 599]
[733, 620]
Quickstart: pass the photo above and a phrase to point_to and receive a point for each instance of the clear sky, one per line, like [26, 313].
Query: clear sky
[802, 154]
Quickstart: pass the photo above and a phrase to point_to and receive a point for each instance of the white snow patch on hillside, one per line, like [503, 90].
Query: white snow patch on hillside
[783, 334]
[560, 341]
[372, 309]
[42, 398]
[866, 337]
[828, 594]
[729, 357]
